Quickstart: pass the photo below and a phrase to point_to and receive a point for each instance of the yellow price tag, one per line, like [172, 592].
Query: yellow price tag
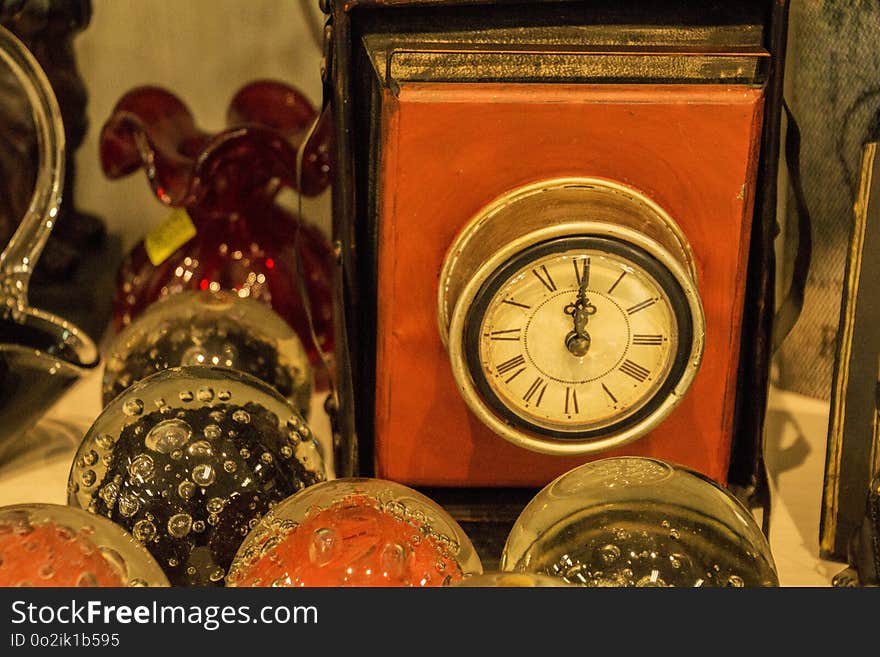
[170, 235]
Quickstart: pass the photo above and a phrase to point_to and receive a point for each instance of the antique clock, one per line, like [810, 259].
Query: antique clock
[555, 227]
[571, 315]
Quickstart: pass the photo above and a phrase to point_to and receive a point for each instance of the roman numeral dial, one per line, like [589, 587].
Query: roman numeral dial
[576, 340]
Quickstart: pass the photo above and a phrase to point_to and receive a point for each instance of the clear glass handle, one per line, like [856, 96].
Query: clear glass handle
[20, 256]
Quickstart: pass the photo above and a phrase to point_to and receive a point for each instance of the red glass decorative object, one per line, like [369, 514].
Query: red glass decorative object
[50, 545]
[228, 183]
[355, 533]
[77, 555]
[355, 544]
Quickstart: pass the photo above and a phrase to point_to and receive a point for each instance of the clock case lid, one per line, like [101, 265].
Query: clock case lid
[755, 30]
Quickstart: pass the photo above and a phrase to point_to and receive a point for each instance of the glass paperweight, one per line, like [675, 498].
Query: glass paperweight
[355, 532]
[633, 521]
[499, 579]
[215, 329]
[188, 460]
[50, 545]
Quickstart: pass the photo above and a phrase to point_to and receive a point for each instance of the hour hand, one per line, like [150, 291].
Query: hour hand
[578, 341]
[578, 344]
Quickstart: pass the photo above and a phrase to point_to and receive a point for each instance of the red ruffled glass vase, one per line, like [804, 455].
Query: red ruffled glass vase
[234, 235]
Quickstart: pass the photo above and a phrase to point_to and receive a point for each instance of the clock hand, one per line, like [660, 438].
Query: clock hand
[578, 341]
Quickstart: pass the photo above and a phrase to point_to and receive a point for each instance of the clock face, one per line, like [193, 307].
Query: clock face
[578, 337]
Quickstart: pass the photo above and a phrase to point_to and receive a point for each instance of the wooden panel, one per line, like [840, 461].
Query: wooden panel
[450, 149]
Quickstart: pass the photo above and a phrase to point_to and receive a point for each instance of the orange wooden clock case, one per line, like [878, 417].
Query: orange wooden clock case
[447, 150]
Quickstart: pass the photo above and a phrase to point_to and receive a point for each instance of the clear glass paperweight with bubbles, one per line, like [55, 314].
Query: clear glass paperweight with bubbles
[214, 329]
[355, 532]
[50, 545]
[633, 521]
[188, 460]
